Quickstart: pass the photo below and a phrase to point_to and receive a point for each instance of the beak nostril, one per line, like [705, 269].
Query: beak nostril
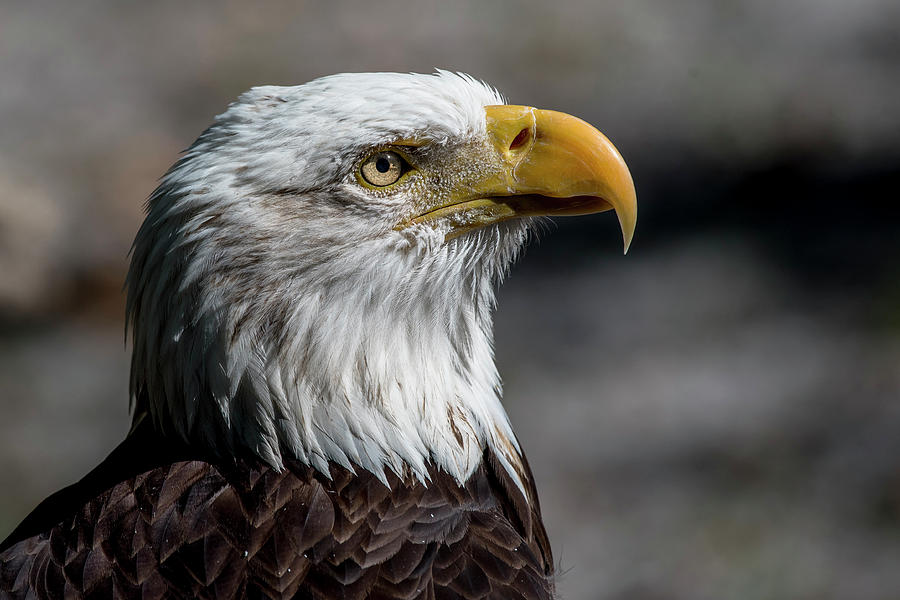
[519, 140]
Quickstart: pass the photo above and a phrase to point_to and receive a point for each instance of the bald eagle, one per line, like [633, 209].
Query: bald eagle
[316, 410]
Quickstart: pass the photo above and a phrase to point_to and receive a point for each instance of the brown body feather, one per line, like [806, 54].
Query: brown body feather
[158, 521]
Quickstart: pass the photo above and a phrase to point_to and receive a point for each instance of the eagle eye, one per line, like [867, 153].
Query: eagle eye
[383, 168]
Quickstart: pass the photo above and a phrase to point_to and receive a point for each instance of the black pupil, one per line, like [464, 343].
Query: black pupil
[382, 164]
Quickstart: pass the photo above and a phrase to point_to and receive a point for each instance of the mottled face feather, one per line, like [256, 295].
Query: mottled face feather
[276, 308]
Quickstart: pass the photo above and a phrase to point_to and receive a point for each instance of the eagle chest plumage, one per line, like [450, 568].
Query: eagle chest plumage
[317, 411]
[238, 528]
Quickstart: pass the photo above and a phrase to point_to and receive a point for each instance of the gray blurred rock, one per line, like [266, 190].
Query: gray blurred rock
[31, 226]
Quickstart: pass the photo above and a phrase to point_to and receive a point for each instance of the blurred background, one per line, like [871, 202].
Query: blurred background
[714, 416]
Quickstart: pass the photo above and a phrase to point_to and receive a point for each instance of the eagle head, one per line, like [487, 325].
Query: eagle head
[315, 277]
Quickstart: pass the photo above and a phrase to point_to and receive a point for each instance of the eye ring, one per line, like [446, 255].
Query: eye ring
[383, 168]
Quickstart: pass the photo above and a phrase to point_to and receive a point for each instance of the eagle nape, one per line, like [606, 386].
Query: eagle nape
[317, 411]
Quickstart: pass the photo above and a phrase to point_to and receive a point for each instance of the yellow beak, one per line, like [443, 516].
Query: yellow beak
[550, 163]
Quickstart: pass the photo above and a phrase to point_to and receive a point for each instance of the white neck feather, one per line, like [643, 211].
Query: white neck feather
[388, 367]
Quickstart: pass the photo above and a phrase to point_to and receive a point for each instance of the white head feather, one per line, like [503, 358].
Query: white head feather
[275, 309]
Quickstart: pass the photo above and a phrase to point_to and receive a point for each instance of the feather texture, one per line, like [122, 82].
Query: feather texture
[276, 309]
[168, 526]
